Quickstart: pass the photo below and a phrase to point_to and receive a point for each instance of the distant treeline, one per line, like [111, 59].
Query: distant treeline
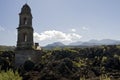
[7, 48]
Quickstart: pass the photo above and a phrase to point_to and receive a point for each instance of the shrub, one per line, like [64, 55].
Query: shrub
[10, 75]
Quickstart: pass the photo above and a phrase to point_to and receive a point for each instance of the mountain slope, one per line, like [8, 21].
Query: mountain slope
[97, 42]
[55, 44]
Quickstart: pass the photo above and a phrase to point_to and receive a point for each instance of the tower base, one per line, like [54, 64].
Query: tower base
[23, 55]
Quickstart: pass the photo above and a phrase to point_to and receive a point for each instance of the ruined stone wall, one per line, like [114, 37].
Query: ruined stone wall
[23, 55]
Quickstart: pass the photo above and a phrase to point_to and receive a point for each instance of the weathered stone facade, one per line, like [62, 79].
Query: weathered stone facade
[25, 29]
[25, 50]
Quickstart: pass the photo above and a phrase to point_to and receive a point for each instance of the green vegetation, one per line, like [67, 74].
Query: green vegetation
[10, 75]
[102, 63]
[6, 48]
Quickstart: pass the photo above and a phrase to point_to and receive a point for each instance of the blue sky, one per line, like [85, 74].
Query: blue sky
[62, 20]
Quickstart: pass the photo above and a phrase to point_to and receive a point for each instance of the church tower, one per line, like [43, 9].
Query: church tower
[25, 29]
[25, 50]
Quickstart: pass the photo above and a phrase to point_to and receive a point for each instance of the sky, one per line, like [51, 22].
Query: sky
[63, 21]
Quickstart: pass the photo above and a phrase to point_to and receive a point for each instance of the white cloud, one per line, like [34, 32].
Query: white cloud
[85, 28]
[73, 30]
[57, 36]
[2, 29]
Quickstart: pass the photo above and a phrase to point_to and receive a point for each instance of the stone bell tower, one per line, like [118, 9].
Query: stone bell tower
[25, 29]
[25, 49]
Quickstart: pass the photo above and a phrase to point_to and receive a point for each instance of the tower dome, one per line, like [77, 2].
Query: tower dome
[25, 9]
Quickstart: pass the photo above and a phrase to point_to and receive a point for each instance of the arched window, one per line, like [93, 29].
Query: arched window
[25, 37]
[25, 21]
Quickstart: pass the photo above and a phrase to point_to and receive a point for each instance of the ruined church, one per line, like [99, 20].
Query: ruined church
[26, 49]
